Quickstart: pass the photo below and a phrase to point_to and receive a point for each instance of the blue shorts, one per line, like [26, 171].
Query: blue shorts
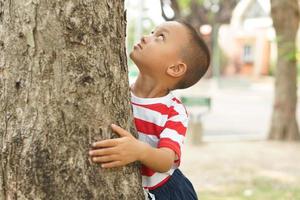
[178, 187]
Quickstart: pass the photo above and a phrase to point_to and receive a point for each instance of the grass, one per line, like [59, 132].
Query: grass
[260, 188]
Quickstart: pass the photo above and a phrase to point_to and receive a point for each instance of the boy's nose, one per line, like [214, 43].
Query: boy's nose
[145, 39]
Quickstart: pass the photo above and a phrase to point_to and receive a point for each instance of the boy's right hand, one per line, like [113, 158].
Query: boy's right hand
[117, 152]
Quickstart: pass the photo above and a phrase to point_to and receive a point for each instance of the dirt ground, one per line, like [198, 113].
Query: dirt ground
[215, 166]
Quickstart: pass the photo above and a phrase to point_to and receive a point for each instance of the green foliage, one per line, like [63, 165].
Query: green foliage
[185, 7]
[184, 4]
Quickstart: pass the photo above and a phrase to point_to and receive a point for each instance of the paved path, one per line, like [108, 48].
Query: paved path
[241, 110]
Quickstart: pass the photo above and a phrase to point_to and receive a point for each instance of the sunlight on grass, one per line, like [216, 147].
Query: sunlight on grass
[260, 189]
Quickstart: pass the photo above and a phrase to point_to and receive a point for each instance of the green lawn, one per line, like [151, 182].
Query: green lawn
[259, 189]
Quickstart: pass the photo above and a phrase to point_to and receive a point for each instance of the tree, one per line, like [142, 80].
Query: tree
[63, 81]
[285, 15]
[199, 12]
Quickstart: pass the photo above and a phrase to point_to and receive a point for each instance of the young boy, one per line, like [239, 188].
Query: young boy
[172, 57]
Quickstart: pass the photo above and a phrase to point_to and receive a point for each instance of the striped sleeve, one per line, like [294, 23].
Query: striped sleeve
[172, 136]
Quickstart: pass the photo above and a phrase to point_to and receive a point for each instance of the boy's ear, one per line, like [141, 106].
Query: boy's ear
[177, 70]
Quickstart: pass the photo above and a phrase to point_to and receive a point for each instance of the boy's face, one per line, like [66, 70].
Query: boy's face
[160, 49]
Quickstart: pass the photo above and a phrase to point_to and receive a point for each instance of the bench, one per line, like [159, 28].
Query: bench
[197, 106]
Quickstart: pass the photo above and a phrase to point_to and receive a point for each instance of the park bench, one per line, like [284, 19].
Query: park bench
[197, 106]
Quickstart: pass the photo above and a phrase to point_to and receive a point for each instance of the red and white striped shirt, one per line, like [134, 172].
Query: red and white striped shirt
[160, 122]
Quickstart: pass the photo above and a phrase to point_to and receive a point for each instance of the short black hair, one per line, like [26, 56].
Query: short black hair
[196, 56]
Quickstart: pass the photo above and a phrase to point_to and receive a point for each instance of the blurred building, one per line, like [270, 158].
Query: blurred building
[247, 43]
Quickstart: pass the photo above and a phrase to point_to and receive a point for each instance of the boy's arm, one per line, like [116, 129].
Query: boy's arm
[158, 159]
[126, 149]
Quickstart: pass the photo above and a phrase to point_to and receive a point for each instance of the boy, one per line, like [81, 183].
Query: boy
[172, 57]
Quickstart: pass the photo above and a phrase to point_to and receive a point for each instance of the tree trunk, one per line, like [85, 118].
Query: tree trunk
[63, 81]
[284, 125]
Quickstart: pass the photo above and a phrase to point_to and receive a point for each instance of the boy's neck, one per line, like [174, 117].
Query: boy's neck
[147, 87]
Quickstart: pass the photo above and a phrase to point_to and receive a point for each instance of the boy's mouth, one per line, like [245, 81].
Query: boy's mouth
[138, 45]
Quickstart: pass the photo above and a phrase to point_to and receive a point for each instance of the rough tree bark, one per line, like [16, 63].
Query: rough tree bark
[284, 125]
[63, 80]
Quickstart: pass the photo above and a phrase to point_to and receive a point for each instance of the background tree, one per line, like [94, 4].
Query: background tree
[285, 15]
[199, 12]
[63, 81]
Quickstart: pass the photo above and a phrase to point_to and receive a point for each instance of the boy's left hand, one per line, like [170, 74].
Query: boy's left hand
[116, 152]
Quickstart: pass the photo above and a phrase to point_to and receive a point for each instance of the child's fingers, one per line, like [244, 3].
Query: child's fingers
[102, 159]
[122, 132]
[112, 164]
[102, 152]
[105, 143]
